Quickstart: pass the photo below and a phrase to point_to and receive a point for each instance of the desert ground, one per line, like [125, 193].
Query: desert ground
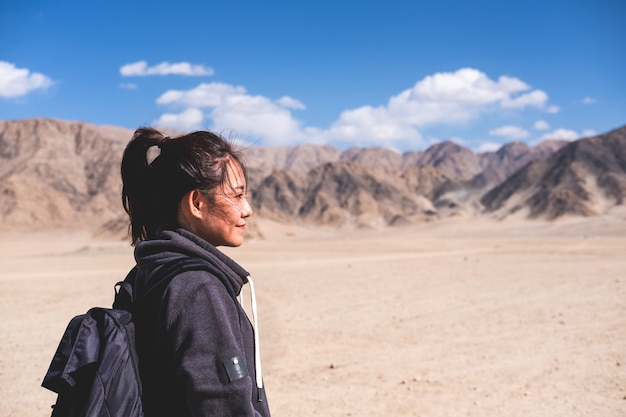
[462, 317]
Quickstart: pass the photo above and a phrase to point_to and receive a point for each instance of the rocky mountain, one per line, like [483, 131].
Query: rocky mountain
[301, 158]
[455, 160]
[347, 193]
[374, 157]
[458, 162]
[585, 177]
[498, 166]
[57, 173]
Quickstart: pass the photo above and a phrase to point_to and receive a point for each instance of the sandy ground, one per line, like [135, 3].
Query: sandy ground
[457, 318]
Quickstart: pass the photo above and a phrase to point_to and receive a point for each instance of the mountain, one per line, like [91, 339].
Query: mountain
[501, 164]
[583, 178]
[455, 160]
[61, 174]
[374, 157]
[300, 158]
[340, 194]
[58, 174]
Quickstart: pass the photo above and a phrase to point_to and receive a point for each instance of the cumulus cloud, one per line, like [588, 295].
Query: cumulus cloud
[371, 124]
[541, 125]
[17, 82]
[563, 134]
[589, 100]
[488, 147]
[443, 98]
[291, 103]
[510, 132]
[141, 69]
[204, 95]
[553, 109]
[535, 98]
[189, 119]
[231, 107]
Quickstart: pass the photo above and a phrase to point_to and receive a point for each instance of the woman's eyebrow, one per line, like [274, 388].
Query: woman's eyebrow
[238, 187]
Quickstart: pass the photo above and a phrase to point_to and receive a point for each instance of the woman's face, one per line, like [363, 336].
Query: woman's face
[224, 222]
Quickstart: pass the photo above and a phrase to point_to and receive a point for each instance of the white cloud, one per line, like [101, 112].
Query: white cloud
[257, 117]
[564, 134]
[371, 125]
[510, 132]
[291, 103]
[17, 82]
[541, 125]
[232, 108]
[190, 119]
[589, 100]
[535, 98]
[141, 69]
[588, 133]
[466, 85]
[488, 147]
[442, 98]
[204, 95]
[553, 109]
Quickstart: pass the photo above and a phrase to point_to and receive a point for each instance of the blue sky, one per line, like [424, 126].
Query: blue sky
[398, 74]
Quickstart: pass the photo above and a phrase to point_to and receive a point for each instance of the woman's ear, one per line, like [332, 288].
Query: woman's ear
[191, 204]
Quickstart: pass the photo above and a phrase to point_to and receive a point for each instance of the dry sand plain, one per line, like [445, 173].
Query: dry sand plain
[456, 318]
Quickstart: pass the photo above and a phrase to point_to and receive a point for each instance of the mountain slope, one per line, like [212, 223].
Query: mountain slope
[584, 178]
[55, 173]
[500, 165]
[340, 193]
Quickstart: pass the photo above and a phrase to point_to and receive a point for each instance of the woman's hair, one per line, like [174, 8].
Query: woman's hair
[152, 187]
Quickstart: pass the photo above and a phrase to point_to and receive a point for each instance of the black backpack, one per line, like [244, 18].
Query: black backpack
[95, 368]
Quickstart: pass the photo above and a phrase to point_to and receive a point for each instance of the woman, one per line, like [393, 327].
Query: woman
[198, 352]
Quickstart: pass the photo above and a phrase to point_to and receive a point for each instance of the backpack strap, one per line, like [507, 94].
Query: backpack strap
[124, 291]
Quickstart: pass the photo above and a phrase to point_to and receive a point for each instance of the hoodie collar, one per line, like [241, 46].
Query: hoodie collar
[170, 245]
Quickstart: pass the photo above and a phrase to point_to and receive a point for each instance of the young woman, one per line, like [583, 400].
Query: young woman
[198, 352]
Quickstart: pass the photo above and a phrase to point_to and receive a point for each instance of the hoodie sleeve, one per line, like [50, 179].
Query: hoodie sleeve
[204, 332]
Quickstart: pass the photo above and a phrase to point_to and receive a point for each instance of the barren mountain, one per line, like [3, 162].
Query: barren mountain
[66, 174]
[374, 157]
[499, 165]
[342, 193]
[455, 160]
[585, 177]
[301, 158]
[458, 162]
[56, 174]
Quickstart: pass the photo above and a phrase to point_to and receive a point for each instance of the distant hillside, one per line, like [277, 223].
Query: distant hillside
[498, 166]
[458, 162]
[583, 178]
[344, 192]
[59, 174]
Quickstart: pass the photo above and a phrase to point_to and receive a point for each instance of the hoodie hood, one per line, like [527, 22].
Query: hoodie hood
[170, 245]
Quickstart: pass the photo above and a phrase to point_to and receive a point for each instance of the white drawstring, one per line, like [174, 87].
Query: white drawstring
[257, 347]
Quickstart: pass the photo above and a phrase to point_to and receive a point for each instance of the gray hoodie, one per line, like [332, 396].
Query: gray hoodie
[195, 343]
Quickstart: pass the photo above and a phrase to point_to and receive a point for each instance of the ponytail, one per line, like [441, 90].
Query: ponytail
[137, 188]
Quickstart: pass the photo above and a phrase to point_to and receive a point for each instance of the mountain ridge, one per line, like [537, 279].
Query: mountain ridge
[59, 173]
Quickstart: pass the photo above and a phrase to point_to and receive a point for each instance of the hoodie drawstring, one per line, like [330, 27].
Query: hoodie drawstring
[257, 347]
